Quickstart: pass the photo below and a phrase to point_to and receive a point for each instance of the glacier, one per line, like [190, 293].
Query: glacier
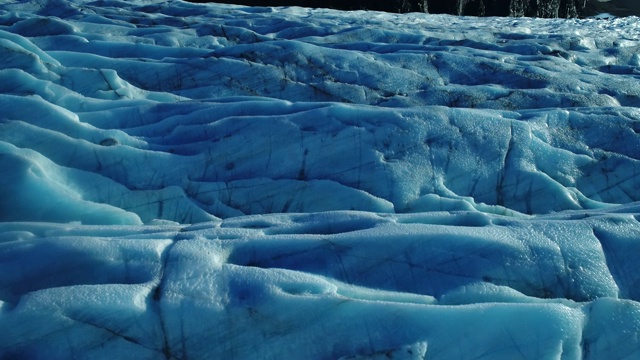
[212, 181]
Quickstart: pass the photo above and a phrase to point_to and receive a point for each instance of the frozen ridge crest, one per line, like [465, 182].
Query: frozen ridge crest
[216, 181]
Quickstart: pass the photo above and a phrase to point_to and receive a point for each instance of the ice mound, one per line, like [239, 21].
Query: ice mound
[325, 285]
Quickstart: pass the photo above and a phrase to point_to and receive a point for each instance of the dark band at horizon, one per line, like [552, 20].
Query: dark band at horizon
[528, 8]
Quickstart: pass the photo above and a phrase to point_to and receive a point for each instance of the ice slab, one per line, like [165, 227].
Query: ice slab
[324, 285]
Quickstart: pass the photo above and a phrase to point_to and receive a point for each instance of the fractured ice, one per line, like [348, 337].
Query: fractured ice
[215, 181]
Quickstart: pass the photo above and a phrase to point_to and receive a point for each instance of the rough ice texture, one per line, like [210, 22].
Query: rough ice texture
[213, 181]
[188, 112]
[325, 285]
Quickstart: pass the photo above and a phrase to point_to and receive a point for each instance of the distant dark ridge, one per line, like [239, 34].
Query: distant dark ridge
[614, 7]
[530, 8]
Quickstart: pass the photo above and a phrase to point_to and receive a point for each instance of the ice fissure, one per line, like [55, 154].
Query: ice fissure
[156, 296]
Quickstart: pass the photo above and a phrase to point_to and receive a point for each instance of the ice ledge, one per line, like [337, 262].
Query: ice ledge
[273, 284]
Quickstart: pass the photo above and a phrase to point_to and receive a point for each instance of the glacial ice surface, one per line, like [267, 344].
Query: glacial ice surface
[215, 181]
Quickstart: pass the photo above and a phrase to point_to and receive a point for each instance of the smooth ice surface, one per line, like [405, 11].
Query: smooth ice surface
[217, 182]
